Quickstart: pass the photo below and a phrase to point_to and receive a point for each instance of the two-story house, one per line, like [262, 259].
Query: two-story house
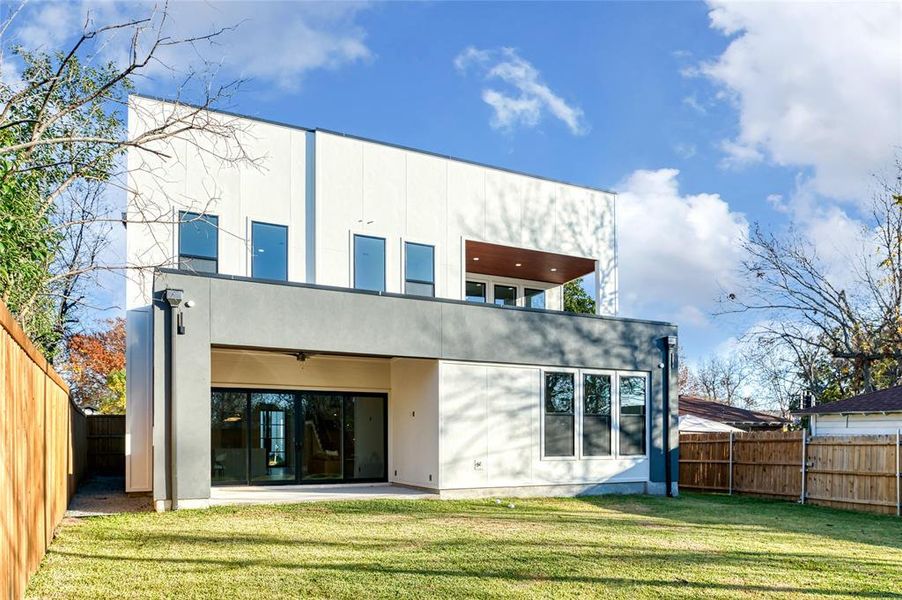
[354, 311]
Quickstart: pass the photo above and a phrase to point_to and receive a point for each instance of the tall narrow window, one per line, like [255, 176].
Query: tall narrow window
[505, 295]
[534, 298]
[369, 263]
[475, 291]
[419, 269]
[633, 396]
[270, 251]
[198, 242]
[596, 415]
[559, 414]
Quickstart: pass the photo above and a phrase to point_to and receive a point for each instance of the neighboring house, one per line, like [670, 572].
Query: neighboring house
[873, 413]
[356, 311]
[732, 417]
[694, 424]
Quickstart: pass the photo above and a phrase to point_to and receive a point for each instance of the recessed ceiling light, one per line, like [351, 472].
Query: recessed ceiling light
[553, 269]
[475, 258]
[518, 265]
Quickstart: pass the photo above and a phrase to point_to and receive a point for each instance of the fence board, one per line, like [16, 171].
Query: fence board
[106, 444]
[852, 472]
[42, 455]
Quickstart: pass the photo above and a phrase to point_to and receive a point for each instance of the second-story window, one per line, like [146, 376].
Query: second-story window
[475, 291]
[505, 295]
[369, 263]
[270, 251]
[419, 269]
[533, 298]
[198, 242]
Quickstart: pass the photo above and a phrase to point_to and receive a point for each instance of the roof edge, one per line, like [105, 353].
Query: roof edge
[380, 142]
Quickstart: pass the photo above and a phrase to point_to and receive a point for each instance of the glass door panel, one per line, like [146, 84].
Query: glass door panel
[228, 424]
[322, 437]
[272, 448]
[364, 437]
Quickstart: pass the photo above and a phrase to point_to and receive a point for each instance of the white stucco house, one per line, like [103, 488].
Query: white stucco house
[877, 412]
[350, 310]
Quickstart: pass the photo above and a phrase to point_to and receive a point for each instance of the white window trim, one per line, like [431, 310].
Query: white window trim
[615, 414]
[520, 284]
[402, 284]
[578, 414]
[647, 377]
[577, 392]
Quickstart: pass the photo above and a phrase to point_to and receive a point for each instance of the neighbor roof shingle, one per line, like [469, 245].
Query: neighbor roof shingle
[888, 400]
[715, 411]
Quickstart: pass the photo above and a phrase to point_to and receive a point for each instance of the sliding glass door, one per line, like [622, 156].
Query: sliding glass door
[271, 437]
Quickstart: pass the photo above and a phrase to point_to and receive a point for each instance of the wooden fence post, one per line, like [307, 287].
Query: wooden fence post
[804, 463]
[898, 486]
[731, 464]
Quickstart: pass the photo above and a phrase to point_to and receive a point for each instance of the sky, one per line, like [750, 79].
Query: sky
[706, 118]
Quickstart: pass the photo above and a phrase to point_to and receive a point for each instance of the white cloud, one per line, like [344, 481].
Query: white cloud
[675, 250]
[815, 84]
[529, 97]
[273, 42]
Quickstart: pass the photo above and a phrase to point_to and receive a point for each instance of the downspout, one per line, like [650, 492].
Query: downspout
[174, 299]
[671, 342]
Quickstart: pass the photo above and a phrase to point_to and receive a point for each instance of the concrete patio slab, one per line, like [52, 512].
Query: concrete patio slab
[290, 494]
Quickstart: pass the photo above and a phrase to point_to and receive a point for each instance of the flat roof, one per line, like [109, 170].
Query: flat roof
[375, 141]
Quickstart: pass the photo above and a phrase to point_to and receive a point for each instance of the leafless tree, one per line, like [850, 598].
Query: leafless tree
[721, 379]
[64, 128]
[852, 330]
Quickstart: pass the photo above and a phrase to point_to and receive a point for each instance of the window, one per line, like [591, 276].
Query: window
[534, 298]
[505, 295]
[596, 415]
[632, 414]
[559, 414]
[198, 242]
[270, 251]
[369, 263]
[419, 269]
[475, 291]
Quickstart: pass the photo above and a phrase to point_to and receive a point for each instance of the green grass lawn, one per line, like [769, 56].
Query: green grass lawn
[616, 547]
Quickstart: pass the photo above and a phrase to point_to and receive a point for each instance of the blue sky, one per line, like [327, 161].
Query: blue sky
[707, 117]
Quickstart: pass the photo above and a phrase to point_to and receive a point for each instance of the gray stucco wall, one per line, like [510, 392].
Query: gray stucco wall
[231, 311]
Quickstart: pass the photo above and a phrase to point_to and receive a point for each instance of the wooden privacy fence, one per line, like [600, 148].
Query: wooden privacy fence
[106, 445]
[852, 472]
[42, 455]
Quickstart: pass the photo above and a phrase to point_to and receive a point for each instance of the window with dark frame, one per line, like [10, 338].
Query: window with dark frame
[198, 242]
[505, 295]
[596, 414]
[633, 397]
[559, 419]
[419, 269]
[269, 258]
[369, 263]
[475, 291]
[534, 298]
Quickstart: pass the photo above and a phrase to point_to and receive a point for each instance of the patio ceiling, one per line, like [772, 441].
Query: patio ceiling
[520, 263]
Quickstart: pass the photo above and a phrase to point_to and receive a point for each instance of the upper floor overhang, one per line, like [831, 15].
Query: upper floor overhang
[233, 311]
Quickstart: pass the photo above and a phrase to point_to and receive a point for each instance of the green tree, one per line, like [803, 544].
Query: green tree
[576, 299]
[63, 140]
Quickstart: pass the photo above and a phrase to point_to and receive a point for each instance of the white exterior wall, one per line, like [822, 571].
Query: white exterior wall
[403, 195]
[413, 423]
[360, 187]
[491, 418]
[856, 424]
